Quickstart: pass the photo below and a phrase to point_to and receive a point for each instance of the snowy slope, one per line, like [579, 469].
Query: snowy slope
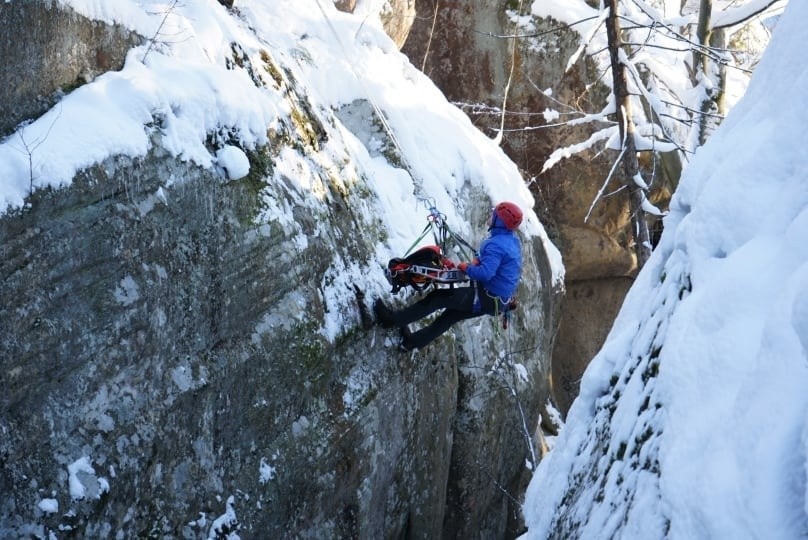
[691, 422]
[184, 79]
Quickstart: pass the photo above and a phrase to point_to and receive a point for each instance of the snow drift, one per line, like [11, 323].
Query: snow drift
[691, 421]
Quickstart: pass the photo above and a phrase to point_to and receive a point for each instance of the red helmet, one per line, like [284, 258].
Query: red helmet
[510, 214]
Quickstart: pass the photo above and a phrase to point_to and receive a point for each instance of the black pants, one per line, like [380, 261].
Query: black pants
[457, 304]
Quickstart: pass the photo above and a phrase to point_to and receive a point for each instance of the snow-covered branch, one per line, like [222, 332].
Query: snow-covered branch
[741, 14]
[571, 150]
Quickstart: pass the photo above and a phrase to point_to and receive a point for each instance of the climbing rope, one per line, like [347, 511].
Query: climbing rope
[499, 368]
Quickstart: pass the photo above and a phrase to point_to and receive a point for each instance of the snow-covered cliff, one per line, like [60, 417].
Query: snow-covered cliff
[188, 247]
[691, 422]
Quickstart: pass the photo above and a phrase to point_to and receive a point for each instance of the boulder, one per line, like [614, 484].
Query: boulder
[167, 368]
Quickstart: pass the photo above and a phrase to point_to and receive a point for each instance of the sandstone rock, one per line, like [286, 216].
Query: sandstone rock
[397, 17]
[581, 332]
[178, 349]
[162, 325]
[54, 51]
[591, 254]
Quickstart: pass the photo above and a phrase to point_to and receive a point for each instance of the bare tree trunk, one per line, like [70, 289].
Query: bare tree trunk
[631, 166]
[718, 40]
[701, 66]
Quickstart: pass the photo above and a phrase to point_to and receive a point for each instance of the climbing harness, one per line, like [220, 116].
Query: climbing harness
[426, 266]
[429, 265]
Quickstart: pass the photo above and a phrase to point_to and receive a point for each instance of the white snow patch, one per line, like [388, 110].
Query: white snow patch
[83, 482]
[551, 115]
[182, 377]
[266, 471]
[127, 292]
[225, 526]
[49, 506]
[234, 162]
[300, 426]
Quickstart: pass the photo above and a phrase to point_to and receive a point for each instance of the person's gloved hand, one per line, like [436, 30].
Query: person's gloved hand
[462, 266]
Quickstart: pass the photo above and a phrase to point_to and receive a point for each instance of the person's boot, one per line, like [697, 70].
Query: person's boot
[384, 315]
[405, 345]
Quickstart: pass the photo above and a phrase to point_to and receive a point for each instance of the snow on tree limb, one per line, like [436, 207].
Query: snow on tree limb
[602, 116]
[586, 39]
[569, 151]
[737, 15]
[638, 180]
[652, 143]
[657, 51]
[603, 186]
[649, 208]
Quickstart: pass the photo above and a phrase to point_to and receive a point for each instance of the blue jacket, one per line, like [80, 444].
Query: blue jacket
[500, 262]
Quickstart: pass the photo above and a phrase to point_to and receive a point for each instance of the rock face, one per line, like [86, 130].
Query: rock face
[55, 50]
[578, 337]
[397, 16]
[142, 337]
[165, 373]
[463, 48]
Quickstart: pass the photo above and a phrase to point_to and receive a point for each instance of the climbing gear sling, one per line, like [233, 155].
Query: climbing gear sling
[428, 265]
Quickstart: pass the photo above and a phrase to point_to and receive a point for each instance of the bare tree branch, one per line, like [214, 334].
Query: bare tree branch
[742, 14]
[30, 148]
[553, 30]
[431, 33]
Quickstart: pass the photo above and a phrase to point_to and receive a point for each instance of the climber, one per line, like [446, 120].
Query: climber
[494, 277]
